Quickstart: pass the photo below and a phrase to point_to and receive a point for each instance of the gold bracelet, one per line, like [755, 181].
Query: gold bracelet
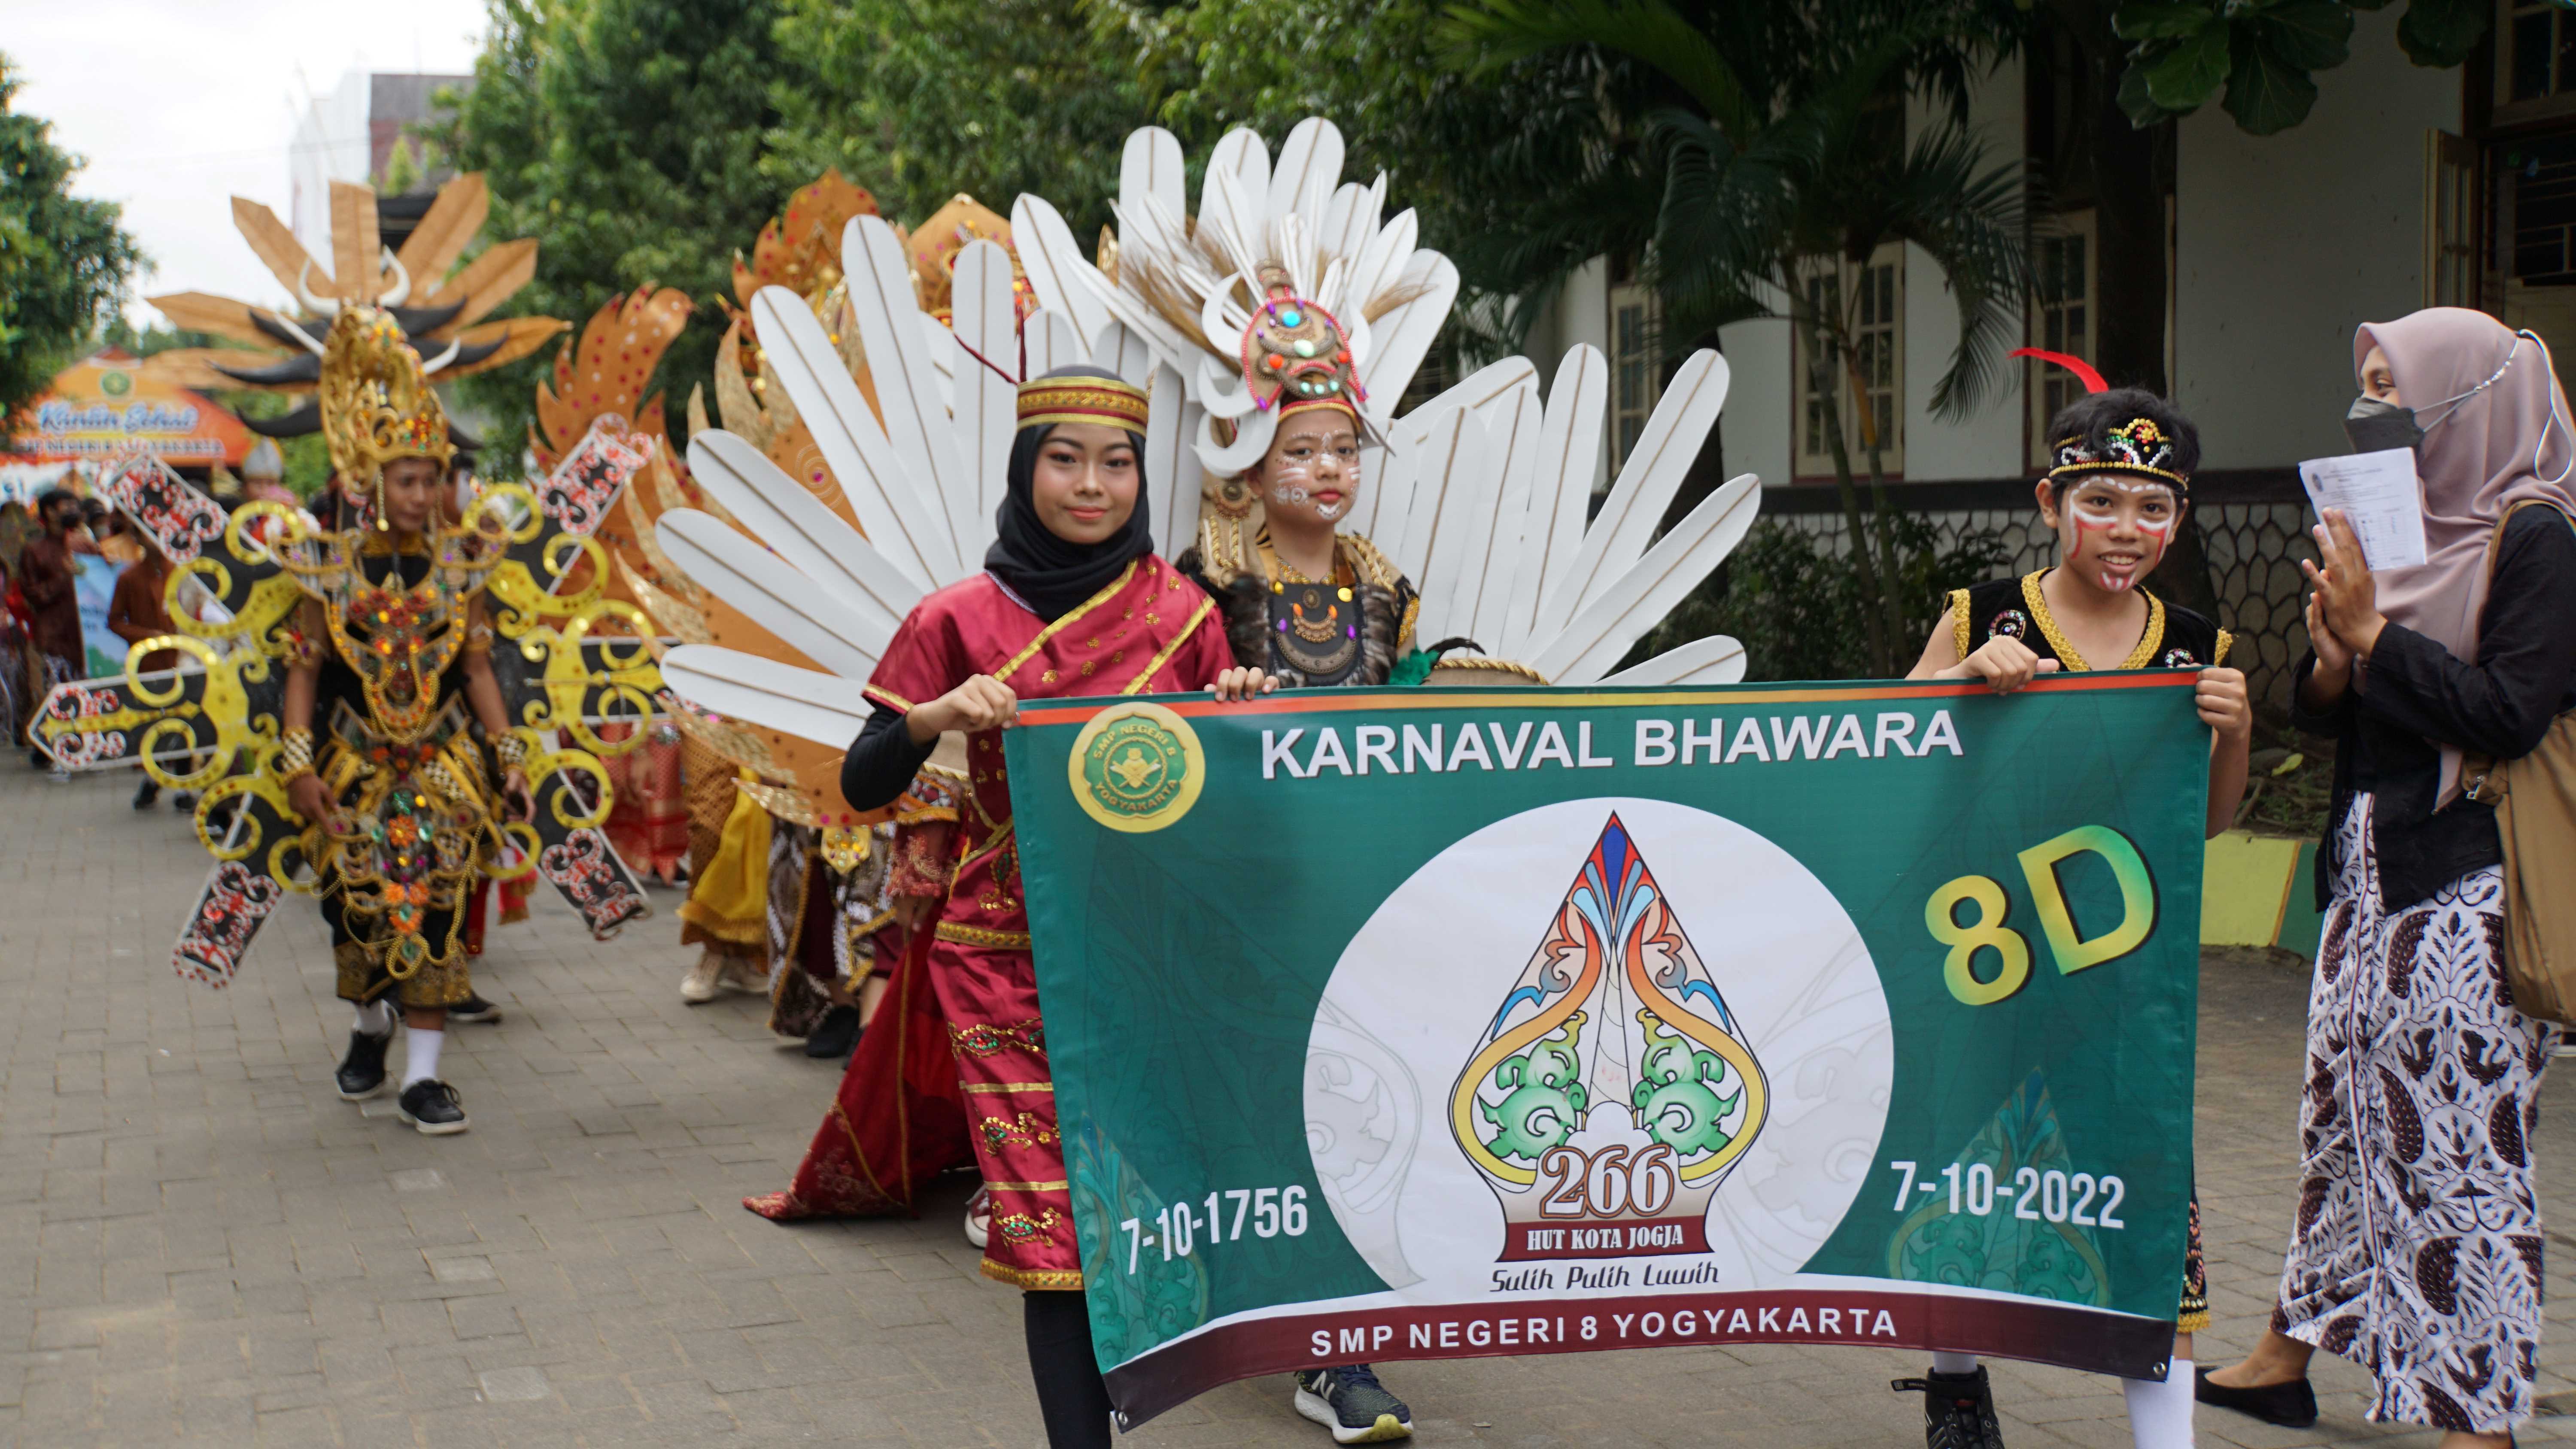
[295, 755]
[510, 750]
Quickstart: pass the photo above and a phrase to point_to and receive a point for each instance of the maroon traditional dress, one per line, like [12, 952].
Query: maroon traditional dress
[1150, 631]
[898, 1121]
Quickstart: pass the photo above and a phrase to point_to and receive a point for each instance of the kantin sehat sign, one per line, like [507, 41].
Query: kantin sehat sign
[106, 405]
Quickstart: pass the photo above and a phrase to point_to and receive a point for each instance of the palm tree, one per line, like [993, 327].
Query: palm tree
[1772, 145]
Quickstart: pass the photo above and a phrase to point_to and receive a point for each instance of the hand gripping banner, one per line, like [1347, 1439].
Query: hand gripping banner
[1426, 1023]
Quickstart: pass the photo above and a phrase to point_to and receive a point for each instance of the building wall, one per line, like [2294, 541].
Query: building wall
[346, 134]
[2284, 243]
[398, 101]
[1580, 315]
[1754, 428]
[1987, 443]
[331, 144]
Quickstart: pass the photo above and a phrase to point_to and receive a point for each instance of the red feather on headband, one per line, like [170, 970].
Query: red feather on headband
[2092, 380]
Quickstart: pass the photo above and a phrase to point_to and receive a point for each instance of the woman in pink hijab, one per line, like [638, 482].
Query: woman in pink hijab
[2418, 1246]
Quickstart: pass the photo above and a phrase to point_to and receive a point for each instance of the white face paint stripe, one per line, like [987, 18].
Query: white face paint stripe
[1292, 485]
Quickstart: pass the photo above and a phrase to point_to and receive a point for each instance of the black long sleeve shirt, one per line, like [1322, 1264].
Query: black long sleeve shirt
[881, 761]
[2413, 693]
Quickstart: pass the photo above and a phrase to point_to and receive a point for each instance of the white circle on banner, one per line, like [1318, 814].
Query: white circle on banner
[1455, 970]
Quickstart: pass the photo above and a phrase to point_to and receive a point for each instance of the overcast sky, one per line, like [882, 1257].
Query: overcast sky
[180, 105]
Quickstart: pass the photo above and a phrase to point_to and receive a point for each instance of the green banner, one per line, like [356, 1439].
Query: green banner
[1423, 1023]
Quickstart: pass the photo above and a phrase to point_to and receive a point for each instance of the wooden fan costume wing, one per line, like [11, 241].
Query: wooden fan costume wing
[918, 459]
[1480, 496]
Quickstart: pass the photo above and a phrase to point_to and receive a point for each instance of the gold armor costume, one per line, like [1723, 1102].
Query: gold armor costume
[391, 623]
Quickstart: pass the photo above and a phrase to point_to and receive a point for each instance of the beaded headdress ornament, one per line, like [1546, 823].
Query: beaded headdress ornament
[1296, 355]
[2138, 447]
[376, 403]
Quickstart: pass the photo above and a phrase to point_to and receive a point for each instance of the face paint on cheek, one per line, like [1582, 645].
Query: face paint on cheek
[1351, 470]
[1291, 483]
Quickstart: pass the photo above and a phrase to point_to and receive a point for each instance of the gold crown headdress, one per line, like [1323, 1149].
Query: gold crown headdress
[376, 403]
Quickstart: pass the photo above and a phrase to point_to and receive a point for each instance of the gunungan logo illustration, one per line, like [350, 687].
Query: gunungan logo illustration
[1613, 1092]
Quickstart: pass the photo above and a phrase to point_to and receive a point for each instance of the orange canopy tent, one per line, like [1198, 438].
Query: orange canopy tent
[105, 404]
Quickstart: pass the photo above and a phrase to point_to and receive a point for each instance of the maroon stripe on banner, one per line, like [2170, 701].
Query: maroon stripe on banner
[2092, 1339]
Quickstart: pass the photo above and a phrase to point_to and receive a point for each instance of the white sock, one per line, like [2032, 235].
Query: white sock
[2160, 1413]
[375, 1018]
[1953, 1363]
[420, 1058]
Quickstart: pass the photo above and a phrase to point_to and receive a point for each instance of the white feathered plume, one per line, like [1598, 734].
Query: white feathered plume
[1481, 497]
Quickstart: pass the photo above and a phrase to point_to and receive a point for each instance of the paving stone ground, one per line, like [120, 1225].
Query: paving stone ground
[200, 1244]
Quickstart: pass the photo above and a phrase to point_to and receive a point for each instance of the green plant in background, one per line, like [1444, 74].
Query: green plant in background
[2292, 784]
[1781, 152]
[628, 137]
[1796, 603]
[408, 166]
[2264, 52]
[64, 260]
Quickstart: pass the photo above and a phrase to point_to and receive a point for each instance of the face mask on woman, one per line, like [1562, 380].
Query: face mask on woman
[2375, 426]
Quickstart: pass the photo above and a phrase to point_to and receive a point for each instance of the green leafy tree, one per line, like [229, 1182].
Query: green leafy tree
[919, 100]
[1781, 149]
[629, 137]
[64, 260]
[2263, 56]
[2140, 64]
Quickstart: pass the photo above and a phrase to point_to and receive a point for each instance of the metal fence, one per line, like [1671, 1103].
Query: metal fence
[2253, 526]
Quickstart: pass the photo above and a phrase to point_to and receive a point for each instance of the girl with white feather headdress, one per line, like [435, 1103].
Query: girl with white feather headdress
[1301, 600]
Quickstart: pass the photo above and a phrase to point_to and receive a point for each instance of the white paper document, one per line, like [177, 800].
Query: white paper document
[2379, 494]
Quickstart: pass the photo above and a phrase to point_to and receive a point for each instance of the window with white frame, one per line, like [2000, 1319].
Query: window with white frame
[1636, 371]
[1852, 322]
[2450, 220]
[2061, 318]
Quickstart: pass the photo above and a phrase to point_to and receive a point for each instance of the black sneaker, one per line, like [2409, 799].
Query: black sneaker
[474, 1010]
[431, 1106]
[1354, 1405]
[183, 801]
[837, 1034]
[362, 1071]
[2292, 1405]
[1958, 1410]
[147, 794]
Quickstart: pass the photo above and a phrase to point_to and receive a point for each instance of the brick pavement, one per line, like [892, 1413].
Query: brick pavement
[199, 1243]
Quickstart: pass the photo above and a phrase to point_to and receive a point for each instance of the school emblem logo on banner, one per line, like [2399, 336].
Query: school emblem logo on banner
[1137, 768]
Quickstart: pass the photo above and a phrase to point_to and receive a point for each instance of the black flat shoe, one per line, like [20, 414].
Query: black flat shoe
[431, 1106]
[362, 1071]
[474, 1010]
[1958, 1410]
[2292, 1405]
[835, 1036]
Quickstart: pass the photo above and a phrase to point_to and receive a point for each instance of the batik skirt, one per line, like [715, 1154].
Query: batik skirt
[2417, 1250]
